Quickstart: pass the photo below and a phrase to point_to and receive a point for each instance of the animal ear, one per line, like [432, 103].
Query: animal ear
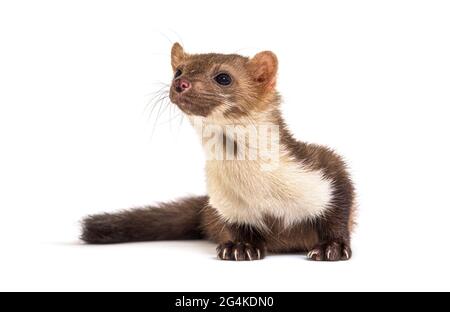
[177, 55]
[264, 66]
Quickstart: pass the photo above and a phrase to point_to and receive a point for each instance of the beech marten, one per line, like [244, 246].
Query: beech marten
[297, 197]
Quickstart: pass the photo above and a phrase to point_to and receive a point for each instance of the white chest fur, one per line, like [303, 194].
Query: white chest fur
[244, 193]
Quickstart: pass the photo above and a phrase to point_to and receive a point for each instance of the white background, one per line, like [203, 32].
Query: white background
[369, 78]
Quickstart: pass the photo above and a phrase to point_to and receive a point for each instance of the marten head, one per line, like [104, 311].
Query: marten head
[223, 85]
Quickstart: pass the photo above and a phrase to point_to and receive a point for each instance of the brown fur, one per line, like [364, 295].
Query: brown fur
[277, 239]
[168, 221]
[252, 92]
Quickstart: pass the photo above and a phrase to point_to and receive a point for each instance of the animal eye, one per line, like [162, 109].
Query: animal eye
[178, 73]
[223, 79]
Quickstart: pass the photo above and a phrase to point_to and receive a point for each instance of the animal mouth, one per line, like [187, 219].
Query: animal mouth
[182, 102]
[185, 103]
[190, 103]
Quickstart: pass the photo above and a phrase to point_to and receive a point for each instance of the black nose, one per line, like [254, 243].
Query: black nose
[181, 85]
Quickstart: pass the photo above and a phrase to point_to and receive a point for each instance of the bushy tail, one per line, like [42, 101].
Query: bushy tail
[169, 221]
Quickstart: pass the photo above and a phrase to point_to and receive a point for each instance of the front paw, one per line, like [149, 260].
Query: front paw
[239, 252]
[332, 251]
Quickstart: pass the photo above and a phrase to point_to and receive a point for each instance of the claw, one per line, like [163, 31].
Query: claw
[224, 253]
[312, 253]
[347, 256]
[249, 256]
[331, 251]
[238, 251]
